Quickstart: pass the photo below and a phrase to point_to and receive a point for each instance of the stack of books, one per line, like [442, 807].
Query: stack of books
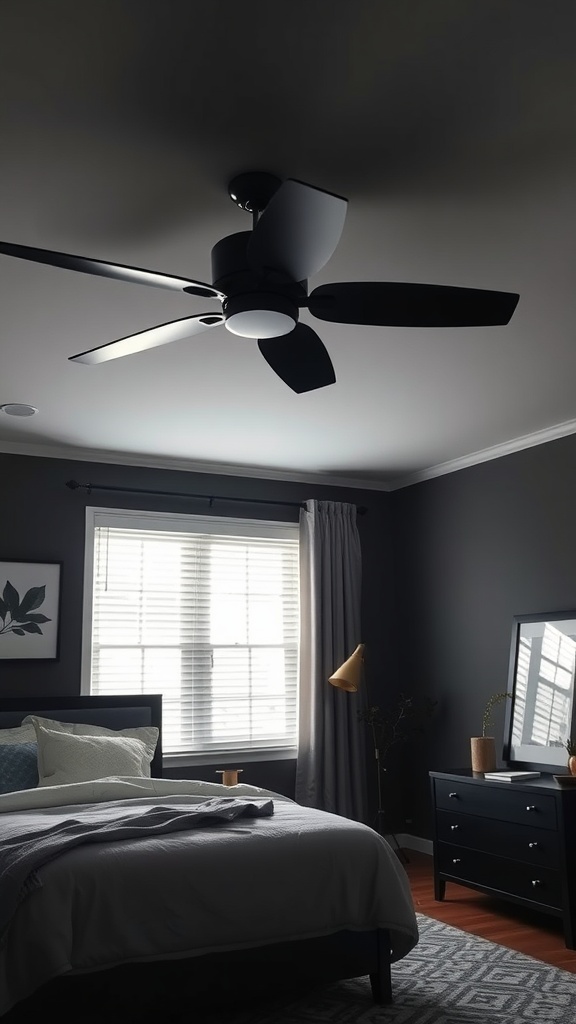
[506, 776]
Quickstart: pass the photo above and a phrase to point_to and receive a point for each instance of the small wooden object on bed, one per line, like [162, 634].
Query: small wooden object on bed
[230, 776]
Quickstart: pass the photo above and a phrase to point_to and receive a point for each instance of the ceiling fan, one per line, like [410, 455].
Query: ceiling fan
[260, 280]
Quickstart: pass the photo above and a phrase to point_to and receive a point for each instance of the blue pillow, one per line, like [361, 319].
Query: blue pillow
[18, 766]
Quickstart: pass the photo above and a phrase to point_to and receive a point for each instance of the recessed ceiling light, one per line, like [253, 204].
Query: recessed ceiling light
[18, 409]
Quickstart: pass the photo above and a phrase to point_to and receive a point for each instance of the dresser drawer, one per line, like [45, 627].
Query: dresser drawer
[521, 806]
[506, 877]
[503, 838]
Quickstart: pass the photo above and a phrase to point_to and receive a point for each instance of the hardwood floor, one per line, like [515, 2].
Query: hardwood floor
[536, 935]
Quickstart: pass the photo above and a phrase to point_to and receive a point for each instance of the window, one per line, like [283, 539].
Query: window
[205, 611]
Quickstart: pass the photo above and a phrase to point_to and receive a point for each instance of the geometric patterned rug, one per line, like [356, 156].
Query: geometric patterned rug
[451, 977]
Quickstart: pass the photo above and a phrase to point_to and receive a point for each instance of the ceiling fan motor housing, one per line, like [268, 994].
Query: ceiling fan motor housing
[259, 303]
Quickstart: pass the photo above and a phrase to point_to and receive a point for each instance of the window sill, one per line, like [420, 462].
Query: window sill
[228, 758]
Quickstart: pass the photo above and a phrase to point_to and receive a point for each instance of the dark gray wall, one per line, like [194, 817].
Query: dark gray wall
[447, 564]
[471, 550]
[43, 520]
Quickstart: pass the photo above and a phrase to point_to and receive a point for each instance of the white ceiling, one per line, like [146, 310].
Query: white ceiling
[450, 128]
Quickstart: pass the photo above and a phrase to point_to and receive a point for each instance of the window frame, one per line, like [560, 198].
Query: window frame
[177, 523]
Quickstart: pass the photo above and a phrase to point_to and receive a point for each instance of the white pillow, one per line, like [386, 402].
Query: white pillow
[147, 734]
[22, 734]
[64, 758]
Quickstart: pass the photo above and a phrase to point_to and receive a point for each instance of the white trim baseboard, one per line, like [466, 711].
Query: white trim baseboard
[406, 841]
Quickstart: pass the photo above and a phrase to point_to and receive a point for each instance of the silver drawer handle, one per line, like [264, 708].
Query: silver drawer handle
[531, 807]
[532, 846]
[536, 883]
[453, 796]
[454, 827]
[457, 860]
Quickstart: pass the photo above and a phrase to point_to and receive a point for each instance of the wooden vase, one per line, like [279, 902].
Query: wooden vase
[483, 751]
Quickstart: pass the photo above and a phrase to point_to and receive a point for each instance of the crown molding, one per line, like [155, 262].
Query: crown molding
[497, 451]
[183, 465]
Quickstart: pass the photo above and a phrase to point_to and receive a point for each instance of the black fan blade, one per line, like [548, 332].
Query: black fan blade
[116, 271]
[298, 231]
[381, 304]
[176, 330]
[300, 359]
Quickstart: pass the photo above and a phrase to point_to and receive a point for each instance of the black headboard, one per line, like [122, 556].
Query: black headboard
[118, 712]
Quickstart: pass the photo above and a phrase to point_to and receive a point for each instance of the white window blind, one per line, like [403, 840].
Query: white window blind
[204, 611]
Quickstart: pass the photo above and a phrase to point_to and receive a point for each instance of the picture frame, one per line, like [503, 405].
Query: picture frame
[29, 610]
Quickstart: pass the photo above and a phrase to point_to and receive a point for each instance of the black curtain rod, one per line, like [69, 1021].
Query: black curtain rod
[210, 498]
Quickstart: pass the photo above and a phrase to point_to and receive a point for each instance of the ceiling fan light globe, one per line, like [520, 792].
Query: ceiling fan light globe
[260, 314]
[260, 323]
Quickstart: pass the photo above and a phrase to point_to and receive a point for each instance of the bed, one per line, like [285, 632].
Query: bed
[130, 885]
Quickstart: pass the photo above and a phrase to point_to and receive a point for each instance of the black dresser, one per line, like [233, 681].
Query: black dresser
[512, 840]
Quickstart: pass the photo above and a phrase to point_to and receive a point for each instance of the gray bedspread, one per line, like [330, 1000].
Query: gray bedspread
[297, 873]
[22, 853]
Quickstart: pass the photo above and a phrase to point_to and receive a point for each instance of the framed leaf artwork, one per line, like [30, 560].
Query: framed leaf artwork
[29, 610]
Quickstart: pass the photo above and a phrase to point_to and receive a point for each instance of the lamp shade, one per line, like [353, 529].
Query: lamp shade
[348, 676]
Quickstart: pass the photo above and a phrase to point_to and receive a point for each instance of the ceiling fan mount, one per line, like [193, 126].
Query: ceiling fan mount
[253, 190]
[260, 278]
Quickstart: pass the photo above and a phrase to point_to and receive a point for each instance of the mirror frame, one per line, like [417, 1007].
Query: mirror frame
[534, 751]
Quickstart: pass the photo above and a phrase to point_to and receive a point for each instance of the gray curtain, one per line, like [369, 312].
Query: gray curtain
[331, 766]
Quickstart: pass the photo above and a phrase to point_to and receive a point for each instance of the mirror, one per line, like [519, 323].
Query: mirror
[540, 716]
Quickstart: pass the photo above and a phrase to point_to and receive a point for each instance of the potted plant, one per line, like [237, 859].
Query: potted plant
[571, 748]
[392, 725]
[483, 748]
[396, 723]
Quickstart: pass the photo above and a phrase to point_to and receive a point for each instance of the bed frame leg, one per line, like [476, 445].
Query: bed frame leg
[381, 981]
